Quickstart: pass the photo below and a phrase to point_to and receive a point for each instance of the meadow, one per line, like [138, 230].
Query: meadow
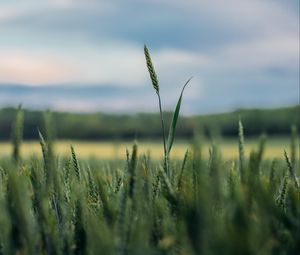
[237, 196]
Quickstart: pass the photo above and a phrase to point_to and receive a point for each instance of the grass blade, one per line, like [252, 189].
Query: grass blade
[241, 151]
[292, 171]
[174, 120]
[17, 134]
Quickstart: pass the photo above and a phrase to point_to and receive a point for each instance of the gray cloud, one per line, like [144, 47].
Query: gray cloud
[240, 52]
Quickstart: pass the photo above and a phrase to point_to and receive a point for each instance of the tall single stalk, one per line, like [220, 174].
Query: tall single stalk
[155, 84]
[163, 132]
[171, 135]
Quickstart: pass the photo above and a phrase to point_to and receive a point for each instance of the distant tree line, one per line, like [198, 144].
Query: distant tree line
[100, 126]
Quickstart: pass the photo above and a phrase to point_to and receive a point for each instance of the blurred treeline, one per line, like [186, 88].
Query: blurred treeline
[93, 126]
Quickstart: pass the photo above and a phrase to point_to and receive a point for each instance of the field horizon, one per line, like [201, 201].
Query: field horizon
[116, 149]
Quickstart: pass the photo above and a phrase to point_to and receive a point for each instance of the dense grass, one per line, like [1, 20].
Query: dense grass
[192, 206]
[68, 206]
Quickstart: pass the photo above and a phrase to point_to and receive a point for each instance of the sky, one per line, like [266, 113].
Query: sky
[88, 55]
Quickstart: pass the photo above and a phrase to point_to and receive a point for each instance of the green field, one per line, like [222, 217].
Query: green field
[88, 202]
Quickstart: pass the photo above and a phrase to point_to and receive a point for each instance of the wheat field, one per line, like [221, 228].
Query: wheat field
[109, 150]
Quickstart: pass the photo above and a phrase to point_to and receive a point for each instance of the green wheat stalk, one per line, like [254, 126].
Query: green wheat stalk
[282, 193]
[75, 163]
[261, 149]
[46, 160]
[171, 135]
[17, 134]
[292, 171]
[293, 145]
[155, 84]
[132, 170]
[179, 184]
[155, 186]
[169, 192]
[272, 172]
[241, 151]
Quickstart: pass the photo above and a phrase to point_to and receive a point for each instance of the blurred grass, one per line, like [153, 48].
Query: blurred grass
[116, 149]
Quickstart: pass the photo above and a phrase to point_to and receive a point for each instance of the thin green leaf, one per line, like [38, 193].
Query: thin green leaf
[174, 120]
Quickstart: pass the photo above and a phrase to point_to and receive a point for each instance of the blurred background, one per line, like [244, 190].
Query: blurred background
[87, 57]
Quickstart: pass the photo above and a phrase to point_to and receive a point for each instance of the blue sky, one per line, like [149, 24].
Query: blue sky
[88, 55]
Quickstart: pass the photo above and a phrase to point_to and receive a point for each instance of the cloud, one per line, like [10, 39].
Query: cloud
[109, 64]
[20, 67]
[230, 47]
[259, 54]
[254, 15]
[120, 64]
